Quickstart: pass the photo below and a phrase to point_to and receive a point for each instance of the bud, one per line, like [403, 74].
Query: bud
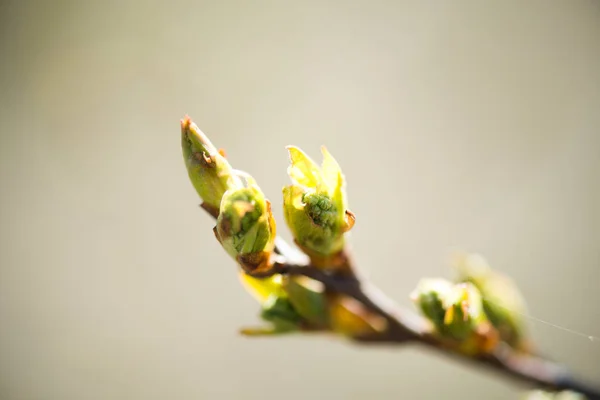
[456, 312]
[502, 300]
[464, 311]
[246, 227]
[208, 169]
[315, 204]
[429, 298]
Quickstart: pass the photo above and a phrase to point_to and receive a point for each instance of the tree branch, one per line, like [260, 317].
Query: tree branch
[408, 327]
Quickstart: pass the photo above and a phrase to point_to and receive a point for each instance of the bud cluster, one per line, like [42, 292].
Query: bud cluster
[479, 310]
[315, 209]
[502, 301]
[456, 312]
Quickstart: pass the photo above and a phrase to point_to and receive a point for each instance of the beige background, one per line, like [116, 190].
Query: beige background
[470, 124]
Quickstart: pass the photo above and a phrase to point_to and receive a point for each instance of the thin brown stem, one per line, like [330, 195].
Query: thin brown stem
[407, 327]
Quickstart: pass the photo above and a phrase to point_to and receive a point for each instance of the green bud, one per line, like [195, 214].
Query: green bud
[209, 171]
[246, 227]
[429, 298]
[315, 206]
[464, 311]
[502, 300]
[456, 312]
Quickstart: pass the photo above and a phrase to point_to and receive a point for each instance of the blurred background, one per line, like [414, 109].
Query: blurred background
[464, 124]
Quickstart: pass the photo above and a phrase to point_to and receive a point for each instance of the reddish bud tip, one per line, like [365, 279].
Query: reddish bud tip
[186, 122]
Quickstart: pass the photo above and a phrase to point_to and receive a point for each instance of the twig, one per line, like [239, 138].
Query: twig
[406, 326]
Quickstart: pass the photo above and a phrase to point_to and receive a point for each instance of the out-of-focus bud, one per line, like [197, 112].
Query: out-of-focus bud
[351, 318]
[246, 227]
[456, 312]
[429, 298]
[315, 205]
[464, 311]
[544, 395]
[502, 300]
[208, 169]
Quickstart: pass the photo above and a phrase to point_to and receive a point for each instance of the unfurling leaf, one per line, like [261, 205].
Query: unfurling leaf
[315, 205]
